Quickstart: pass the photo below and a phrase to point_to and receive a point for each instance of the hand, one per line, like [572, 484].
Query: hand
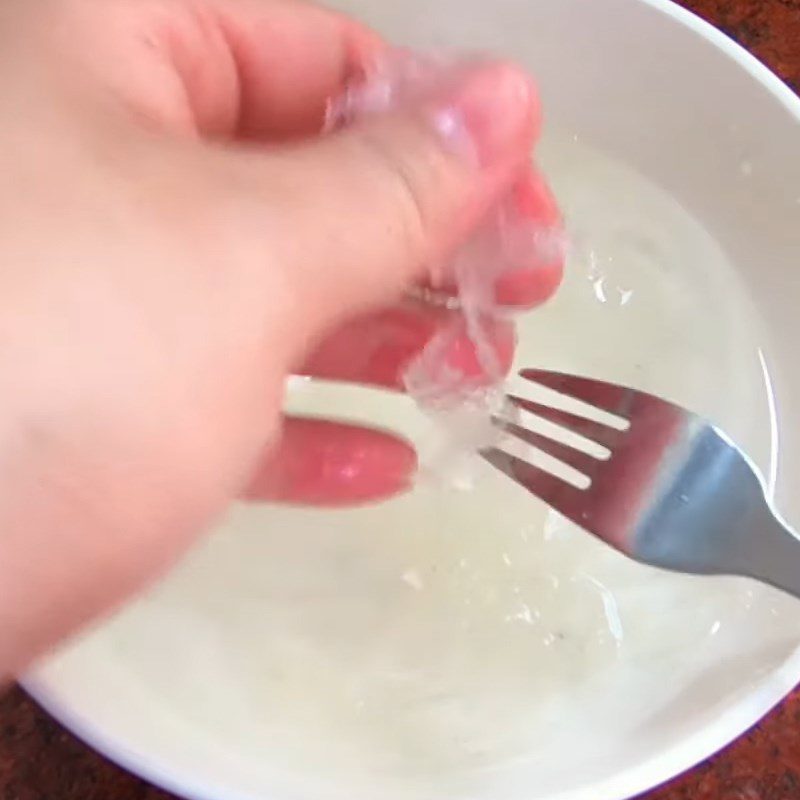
[174, 240]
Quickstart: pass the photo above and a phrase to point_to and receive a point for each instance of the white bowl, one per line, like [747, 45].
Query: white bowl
[657, 89]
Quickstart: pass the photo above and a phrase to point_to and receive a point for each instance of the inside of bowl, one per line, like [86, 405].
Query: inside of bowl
[650, 127]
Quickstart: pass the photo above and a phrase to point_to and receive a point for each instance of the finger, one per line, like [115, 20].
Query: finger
[264, 69]
[291, 59]
[538, 270]
[377, 348]
[530, 245]
[380, 203]
[319, 462]
[536, 277]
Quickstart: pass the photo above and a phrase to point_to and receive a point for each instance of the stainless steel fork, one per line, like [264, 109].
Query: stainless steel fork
[672, 490]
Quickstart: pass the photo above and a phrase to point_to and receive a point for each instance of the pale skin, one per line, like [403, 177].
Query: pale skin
[176, 237]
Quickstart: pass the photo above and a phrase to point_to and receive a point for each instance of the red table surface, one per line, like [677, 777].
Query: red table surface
[39, 760]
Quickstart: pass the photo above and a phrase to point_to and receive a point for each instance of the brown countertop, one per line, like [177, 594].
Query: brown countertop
[39, 760]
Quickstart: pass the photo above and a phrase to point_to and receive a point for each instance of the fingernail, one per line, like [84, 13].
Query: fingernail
[529, 287]
[533, 200]
[334, 467]
[490, 115]
[378, 467]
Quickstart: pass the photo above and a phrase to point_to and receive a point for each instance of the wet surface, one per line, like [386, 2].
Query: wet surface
[39, 760]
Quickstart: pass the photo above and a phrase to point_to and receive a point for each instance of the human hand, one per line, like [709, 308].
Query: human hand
[176, 241]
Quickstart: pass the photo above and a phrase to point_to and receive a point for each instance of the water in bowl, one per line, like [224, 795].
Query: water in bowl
[440, 643]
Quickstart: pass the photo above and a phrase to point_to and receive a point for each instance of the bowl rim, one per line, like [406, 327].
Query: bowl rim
[656, 770]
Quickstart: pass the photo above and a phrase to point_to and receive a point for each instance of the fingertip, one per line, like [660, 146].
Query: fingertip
[366, 465]
[539, 267]
[325, 463]
[534, 201]
[528, 288]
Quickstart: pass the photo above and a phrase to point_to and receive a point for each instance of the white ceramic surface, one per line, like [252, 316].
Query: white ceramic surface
[657, 89]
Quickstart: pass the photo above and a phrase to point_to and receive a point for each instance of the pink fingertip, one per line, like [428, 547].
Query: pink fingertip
[535, 201]
[528, 288]
[324, 463]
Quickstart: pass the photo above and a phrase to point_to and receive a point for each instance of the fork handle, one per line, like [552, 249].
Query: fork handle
[774, 556]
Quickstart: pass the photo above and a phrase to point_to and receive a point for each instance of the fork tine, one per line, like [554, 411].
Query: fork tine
[577, 459]
[588, 428]
[562, 496]
[616, 400]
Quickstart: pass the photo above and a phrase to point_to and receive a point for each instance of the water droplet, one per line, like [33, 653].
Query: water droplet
[599, 286]
[599, 279]
[413, 579]
[610, 609]
[526, 615]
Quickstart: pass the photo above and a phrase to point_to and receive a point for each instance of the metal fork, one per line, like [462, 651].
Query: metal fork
[675, 491]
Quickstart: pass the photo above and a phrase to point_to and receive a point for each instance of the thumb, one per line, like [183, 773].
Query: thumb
[358, 216]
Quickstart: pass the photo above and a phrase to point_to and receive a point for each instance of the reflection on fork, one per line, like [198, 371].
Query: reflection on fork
[666, 487]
